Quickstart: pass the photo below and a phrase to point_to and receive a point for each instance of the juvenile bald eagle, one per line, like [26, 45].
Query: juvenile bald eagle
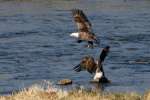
[84, 28]
[89, 64]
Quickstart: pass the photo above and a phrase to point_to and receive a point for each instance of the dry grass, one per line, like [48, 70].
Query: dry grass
[38, 93]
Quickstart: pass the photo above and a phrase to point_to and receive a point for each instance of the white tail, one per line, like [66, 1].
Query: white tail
[98, 75]
[76, 35]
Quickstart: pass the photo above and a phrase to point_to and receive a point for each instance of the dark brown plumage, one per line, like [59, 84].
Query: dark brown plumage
[83, 24]
[89, 64]
[84, 28]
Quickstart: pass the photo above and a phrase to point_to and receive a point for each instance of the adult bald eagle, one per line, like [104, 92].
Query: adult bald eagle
[89, 64]
[84, 28]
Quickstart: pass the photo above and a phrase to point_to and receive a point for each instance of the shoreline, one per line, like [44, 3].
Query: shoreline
[37, 92]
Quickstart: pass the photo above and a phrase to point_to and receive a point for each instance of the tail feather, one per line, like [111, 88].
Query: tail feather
[77, 68]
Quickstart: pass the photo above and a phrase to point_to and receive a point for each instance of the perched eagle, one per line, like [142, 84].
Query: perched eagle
[84, 28]
[89, 64]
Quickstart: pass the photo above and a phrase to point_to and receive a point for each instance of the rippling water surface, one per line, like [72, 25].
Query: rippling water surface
[35, 43]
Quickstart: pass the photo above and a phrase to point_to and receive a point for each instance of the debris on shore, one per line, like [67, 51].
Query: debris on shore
[64, 82]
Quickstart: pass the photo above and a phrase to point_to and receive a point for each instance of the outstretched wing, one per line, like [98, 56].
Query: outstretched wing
[103, 54]
[102, 57]
[81, 20]
[87, 63]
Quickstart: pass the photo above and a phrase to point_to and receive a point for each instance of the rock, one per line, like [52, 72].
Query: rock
[64, 82]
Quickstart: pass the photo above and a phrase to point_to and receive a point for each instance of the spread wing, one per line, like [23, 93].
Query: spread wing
[103, 54]
[81, 20]
[87, 63]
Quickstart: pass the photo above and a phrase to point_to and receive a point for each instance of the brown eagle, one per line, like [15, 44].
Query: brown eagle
[84, 28]
[89, 64]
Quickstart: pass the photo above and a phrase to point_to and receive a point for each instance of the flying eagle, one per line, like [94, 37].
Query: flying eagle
[94, 67]
[84, 28]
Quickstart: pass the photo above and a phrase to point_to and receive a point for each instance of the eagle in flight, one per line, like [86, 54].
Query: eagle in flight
[94, 67]
[84, 28]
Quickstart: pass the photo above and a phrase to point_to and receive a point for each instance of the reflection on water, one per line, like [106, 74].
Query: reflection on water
[35, 43]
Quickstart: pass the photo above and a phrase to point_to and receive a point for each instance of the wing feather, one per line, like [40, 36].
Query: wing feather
[103, 55]
[82, 22]
[88, 64]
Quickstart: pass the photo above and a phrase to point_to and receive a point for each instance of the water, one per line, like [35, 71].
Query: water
[35, 43]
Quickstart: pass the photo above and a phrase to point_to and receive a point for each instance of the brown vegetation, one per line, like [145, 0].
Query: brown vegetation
[37, 93]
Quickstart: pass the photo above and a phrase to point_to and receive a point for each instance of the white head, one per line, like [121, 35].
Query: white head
[76, 35]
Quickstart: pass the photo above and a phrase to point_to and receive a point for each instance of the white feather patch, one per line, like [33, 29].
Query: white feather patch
[98, 75]
[76, 35]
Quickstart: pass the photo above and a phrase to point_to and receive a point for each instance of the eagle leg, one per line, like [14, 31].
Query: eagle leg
[90, 44]
[79, 41]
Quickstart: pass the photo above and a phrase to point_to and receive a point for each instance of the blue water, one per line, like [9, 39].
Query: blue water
[35, 43]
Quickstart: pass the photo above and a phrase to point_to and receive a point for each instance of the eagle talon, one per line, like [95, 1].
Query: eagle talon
[89, 46]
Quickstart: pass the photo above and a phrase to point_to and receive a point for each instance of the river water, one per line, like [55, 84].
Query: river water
[35, 44]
